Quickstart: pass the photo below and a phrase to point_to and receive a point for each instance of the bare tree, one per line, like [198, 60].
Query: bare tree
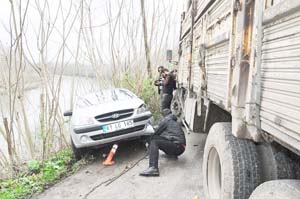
[147, 50]
[127, 36]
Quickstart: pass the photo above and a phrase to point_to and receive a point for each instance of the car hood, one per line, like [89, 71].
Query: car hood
[99, 109]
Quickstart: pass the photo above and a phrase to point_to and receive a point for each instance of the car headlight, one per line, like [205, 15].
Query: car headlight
[84, 121]
[142, 109]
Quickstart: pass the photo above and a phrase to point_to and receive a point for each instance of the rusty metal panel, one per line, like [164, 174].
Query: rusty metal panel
[187, 22]
[196, 72]
[219, 11]
[280, 76]
[217, 72]
[270, 3]
[201, 6]
[183, 70]
[217, 59]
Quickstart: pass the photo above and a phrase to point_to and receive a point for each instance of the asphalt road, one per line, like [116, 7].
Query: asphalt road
[179, 179]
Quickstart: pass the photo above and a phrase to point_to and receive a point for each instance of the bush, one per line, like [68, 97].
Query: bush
[34, 166]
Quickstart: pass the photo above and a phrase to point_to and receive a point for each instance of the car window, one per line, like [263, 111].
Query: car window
[104, 96]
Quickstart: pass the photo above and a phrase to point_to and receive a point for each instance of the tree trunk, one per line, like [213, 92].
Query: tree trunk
[147, 50]
[9, 145]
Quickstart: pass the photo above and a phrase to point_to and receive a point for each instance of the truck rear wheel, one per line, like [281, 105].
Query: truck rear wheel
[275, 162]
[231, 168]
[176, 106]
[277, 189]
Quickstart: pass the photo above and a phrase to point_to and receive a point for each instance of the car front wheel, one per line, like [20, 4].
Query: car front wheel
[78, 152]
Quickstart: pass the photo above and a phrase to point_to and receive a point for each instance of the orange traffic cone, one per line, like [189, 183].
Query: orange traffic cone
[109, 161]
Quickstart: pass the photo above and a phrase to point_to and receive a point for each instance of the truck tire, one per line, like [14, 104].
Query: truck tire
[231, 168]
[176, 106]
[277, 189]
[275, 162]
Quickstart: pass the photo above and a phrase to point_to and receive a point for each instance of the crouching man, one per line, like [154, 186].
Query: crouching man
[168, 137]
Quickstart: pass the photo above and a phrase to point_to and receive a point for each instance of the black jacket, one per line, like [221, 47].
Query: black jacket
[169, 129]
[169, 84]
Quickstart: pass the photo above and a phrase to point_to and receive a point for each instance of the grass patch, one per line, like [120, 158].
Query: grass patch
[39, 176]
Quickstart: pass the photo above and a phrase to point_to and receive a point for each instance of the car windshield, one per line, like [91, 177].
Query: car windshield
[104, 96]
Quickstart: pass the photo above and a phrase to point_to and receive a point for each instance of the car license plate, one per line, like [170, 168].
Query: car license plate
[117, 126]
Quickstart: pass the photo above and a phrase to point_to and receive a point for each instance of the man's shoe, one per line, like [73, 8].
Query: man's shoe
[151, 171]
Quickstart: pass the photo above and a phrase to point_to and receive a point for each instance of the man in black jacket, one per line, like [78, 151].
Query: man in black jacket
[169, 84]
[168, 137]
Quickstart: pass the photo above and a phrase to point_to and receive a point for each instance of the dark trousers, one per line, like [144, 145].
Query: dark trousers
[161, 101]
[170, 148]
[166, 101]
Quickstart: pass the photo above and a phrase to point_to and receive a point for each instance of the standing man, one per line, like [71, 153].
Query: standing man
[159, 84]
[174, 72]
[169, 84]
[168, 137]
[159, 81]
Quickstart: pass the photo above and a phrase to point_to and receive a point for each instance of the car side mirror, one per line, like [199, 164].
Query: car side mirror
[68, 113]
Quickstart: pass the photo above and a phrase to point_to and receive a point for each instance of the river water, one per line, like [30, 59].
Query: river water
[82, 86]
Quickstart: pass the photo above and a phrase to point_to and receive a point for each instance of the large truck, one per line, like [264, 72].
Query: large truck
[239, 81]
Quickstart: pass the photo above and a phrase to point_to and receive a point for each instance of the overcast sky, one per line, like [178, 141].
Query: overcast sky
[164, 10]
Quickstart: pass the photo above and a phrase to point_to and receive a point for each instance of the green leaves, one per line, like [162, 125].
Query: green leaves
[39, 175]
[34, 166]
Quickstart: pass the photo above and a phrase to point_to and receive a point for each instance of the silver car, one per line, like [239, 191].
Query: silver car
[107, 116]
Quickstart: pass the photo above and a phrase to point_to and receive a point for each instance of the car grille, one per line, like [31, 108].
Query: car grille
[116, 115]
[143, 118]
[117, 133]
